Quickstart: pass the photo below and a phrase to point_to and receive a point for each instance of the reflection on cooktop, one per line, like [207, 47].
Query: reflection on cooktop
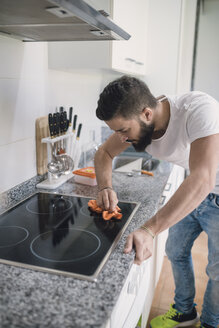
[58, 233]
[46, 205]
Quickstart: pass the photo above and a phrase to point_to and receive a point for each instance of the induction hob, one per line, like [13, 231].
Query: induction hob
[58, 233]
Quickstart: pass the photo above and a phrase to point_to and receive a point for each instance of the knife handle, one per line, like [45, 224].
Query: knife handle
[147, 172]
[61, 109]
[61, 122]
[70, 115]
[65, 122]
[51, 126]
[79, 131]
[57, 123]
[74, 122]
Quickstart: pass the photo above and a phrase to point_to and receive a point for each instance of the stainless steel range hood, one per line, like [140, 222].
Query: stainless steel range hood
[56, 20]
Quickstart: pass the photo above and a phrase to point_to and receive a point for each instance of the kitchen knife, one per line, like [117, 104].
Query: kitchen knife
[144, 172]
[51, 126]
[77, 149]
[72, 143]
[65, 129]
[61, 151]
[58, 132]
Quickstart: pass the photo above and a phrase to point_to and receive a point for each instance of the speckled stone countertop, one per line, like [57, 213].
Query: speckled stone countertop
[35, 299]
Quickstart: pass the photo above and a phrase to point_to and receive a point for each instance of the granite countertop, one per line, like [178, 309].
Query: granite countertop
[31, 298]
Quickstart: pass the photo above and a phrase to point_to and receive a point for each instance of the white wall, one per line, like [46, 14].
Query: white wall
[23, 88]
[29, 90]
[207, 61]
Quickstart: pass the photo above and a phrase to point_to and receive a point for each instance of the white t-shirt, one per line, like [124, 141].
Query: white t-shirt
[192, 115]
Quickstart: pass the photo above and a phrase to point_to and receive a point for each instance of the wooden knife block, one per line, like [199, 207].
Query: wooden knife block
[42, 131]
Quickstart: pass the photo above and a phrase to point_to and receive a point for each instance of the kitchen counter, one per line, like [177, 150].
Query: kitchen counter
[31, 298]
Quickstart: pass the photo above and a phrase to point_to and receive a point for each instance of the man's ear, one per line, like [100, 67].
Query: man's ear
[147, 114]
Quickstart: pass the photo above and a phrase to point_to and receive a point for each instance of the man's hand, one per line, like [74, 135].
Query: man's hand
[107, 199]
[143, 244]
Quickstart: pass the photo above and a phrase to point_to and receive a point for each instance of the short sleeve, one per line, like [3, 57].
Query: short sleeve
[202, 118]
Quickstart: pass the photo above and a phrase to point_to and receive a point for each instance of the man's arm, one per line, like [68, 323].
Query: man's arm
[113, 146]
[203, 162]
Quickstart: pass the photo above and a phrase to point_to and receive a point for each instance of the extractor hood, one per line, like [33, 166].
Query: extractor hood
[56, 20]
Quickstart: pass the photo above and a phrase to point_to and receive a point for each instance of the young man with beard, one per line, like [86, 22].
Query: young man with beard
[183, 130]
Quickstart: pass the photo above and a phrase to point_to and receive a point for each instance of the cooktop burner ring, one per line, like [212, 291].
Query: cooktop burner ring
[33, 211]
[86, 212]
[20, 235]
[88, 233]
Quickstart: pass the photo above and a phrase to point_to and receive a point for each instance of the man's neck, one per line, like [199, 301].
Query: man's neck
[161, 118]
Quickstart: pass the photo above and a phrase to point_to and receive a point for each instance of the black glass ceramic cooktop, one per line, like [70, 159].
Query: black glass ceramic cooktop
[58, 233]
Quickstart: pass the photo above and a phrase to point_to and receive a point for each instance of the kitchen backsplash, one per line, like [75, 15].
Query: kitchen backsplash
[28, 90]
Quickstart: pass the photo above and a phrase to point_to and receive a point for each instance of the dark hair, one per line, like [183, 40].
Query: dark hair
[126, 97]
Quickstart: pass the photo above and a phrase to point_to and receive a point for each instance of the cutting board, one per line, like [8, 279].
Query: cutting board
[42, 131]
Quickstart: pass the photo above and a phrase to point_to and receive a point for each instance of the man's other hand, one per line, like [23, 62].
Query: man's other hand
[142, 242]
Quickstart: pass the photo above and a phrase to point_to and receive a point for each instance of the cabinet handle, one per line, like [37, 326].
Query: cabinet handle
[130, 59]
[168, 186]
[139, 63]
[162, 200]
[103, 12]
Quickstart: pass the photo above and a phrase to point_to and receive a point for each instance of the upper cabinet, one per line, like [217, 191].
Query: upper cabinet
[123, 56]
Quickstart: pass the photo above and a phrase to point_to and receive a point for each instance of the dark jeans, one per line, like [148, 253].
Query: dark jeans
[178, 248]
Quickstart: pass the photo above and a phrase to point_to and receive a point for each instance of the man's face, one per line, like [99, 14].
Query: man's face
[133, 131]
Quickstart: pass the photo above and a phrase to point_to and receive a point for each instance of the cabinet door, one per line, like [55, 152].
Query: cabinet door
[130, 56]
[126, 56]
[132, 297]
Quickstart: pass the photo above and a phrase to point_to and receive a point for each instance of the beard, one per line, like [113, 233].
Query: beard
[145, 137]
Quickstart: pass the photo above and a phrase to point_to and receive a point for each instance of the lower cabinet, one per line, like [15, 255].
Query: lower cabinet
[129, 306]
[138, 291]
[175, 179]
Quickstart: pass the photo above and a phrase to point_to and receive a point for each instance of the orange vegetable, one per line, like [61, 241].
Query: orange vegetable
[105, 214]
[109, 215]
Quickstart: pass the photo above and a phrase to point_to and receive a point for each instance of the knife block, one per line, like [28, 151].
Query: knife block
[52, 182]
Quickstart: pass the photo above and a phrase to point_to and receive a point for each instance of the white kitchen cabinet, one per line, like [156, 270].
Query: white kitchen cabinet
[175, 179]
[127, 56]
[171, 30]
[130, 304]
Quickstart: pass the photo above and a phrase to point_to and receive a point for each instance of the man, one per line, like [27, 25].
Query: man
[183, 130]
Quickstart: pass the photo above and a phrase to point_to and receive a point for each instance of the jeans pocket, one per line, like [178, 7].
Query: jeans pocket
[216, 201]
